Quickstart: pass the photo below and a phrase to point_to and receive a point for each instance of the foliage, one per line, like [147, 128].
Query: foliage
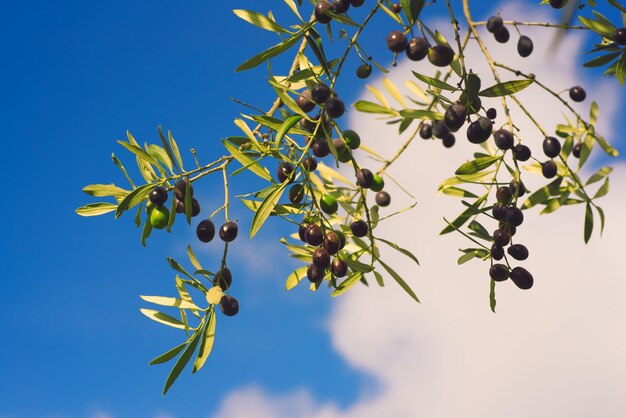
[325, 196]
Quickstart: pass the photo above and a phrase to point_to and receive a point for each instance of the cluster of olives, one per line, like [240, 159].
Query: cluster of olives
[158, 214]
[510, 217]
[418, 48]
[495, 25]
[320, 95]
[180, 189]
[223, 278]
[368, 180]
[337, 6]
[328, 243]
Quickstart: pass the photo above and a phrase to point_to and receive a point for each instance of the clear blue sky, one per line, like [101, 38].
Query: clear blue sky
[75, 76]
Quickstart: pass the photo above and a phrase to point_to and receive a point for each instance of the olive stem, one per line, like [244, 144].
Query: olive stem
[488, 57]
[543, 24]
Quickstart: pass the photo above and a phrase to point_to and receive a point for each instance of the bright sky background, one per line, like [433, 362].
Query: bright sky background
[77, 75]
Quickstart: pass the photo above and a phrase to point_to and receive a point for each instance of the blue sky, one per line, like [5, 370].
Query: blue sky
[76, 76]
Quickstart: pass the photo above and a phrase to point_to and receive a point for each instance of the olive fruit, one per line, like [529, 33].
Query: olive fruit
[499, 212]
[551, 146]
[305, 101]
[328, 204]
[341, 6]
[314, 274]
[159, 216]
[501, 237]
[396, 41]
[514, 185]
[228, 231]
[364, 71]
[497, 252]
[229, 305]
[479, 130]
[310, 163]
[440, 55]
[426, 131]
[339, 268]
[205, 230]
[454, 117]
[449, 141]
[577, 149]
[524, 46]
[284, 171]
[549, 169]
[620, 36]
[499, 272]
[321, 258]
[320, 148]
[158, 195]
[494, 23]
[352, 138]
[320, 92]
[223, 278]
[378, 183]
[357, 3]
[440, 130]
[521, 152]
[492, 113]
[343, 152]
[359, 228]
[522, 278]
[296, 194]
[302, 232]
[180, 206]
[320, 12]
[180, 189]
[503, 194]
[342, 239]
[577, 94]
[364, 178]
[383, 199]
[503, 139]
[396, 7]
[314, 235]
[332, 242]
[514, 216]
[557, 4]
[518, 252]
[502, 35]
[195, 207]
[335, 108]
[417, 49]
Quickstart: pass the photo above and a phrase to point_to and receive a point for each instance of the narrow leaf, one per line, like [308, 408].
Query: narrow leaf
[399, 280]
[266, 208]
[182, 361]
[167, 356]
[477, 165]
[96, 209]
[506, 88]
[162, 318]
[206, 344]
[588, 222]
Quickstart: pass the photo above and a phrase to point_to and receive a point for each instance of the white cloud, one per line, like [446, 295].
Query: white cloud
[553, 351]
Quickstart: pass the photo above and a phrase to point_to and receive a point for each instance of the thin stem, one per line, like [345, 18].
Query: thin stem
[353, 41]
[543, 24]
[487, 55]
[226, 203]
